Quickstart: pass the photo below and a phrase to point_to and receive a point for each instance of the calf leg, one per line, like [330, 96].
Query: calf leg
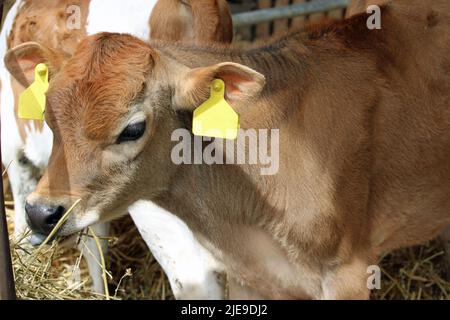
[191, 269]
[93, 256]
[347, 281]
[23, 182]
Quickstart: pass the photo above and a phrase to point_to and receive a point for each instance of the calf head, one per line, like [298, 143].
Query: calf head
[112, 108]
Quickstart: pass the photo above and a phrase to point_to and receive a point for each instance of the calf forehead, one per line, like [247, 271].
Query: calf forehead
[97, 85]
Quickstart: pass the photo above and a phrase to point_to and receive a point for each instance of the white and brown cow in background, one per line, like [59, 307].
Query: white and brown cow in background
[26, 145]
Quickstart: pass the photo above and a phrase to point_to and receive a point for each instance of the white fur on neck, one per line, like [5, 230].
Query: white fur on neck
[191, 268]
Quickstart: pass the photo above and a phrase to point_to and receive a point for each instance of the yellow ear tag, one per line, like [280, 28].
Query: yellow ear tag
[215, 117]
[32, 100]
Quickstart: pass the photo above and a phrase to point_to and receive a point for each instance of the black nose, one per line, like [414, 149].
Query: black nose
[42, 219]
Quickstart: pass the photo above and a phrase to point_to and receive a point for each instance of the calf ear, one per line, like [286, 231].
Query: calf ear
[192, 21]
[21, 61]
[212, 21]
[242, 84]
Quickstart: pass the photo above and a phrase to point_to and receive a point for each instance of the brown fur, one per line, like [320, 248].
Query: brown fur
[364, 123]
[86, 73]
[205, 20]
[45, 22]
[359, 6]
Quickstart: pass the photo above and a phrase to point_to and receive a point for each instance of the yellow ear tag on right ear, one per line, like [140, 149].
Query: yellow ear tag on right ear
[32, 100]
[215, 117]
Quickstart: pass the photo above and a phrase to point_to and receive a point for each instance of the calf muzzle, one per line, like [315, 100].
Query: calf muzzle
[42, 218]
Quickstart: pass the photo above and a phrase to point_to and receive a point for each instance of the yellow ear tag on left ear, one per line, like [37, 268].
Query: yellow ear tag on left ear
[32, 100]
[215, 117]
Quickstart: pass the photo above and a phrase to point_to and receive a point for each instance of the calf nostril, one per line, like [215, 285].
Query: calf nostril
[42, 218]
[54, 218]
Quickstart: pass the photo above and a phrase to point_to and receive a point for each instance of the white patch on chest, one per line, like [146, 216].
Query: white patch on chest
[120, 16]
[189, 266]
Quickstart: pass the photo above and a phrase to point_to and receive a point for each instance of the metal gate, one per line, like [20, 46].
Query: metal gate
[259, 19]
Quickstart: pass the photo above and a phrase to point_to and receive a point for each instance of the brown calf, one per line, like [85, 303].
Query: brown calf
[364, 146]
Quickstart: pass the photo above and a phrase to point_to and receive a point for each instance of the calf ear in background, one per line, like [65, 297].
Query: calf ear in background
[242, 84]
[192, 21]
[21, 61]
[212, 21]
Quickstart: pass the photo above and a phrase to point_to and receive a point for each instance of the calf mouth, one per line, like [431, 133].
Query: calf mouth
[37, 239]
[61, 229]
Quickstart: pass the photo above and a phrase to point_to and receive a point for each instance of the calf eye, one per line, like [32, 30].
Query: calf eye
[132, 132]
